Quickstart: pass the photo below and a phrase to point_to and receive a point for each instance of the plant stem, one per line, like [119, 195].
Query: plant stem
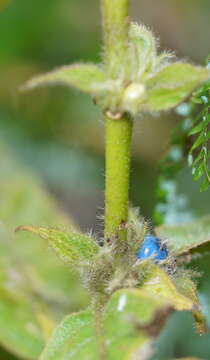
[118, 154]
[118, 131]
[98, 303]
[115, 29]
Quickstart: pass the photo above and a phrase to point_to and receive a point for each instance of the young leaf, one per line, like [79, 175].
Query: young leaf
[200, 140]
[200, 126]
[74, 338]
[72, 247]
[198, 172]
[159, 285]
[189, 238]
[187, 287]
[85, 77]
[173, 84]
[143, 50]
[205, 184]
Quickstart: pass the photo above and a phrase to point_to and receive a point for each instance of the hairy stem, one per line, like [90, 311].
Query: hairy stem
[118, 154]
[115, 30]
[118, 131]
[98, 303]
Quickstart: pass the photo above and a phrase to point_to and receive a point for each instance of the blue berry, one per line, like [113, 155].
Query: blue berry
[152, 248]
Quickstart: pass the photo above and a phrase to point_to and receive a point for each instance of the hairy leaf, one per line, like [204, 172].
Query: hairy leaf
[85, 77]
[74, 338]
[131, 317]
[189, 238]
[143, 50]
[187, 287]
[159, 285]
[72, 247]
[171, 85]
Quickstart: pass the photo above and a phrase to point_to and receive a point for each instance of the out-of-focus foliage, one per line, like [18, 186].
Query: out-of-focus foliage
[3, 3]
[36, 290]
[199, 153]
[56, 133]
[189, 238]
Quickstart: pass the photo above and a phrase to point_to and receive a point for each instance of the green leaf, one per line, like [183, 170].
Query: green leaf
[74, 338]
[201, 126]
[36, 290]
[143, 50]
[173, 84]
[198, 157]
[85, 77]
[198, 171]
[20, 330]
[159, 285]
[202, 138]
[187, 287]
[189, 238]
[72, 247]
[132, 318]
[205, 184]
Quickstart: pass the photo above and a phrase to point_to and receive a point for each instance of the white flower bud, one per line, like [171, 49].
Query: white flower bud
[133, 96]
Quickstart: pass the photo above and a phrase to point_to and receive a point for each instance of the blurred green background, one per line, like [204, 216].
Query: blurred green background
[57, 134]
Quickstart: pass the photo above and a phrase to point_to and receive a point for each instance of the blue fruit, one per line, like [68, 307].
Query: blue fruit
[152, 248]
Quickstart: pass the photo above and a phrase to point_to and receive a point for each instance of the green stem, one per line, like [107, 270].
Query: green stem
[115, 26]
[98, 303]
[118, 154]
[118, 128]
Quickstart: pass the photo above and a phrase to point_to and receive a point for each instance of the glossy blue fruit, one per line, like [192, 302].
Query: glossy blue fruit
[152, 248]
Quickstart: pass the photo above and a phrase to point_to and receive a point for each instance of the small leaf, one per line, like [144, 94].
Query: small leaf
[198, 157]
[143, 50]
[205, 184]
[72, 247]
[187, 287]
[159, 285]
[198, 172]
[201, 126]
[173, 84]
[189, 238]
[74, 338]
[202, 138]
[85, 77]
